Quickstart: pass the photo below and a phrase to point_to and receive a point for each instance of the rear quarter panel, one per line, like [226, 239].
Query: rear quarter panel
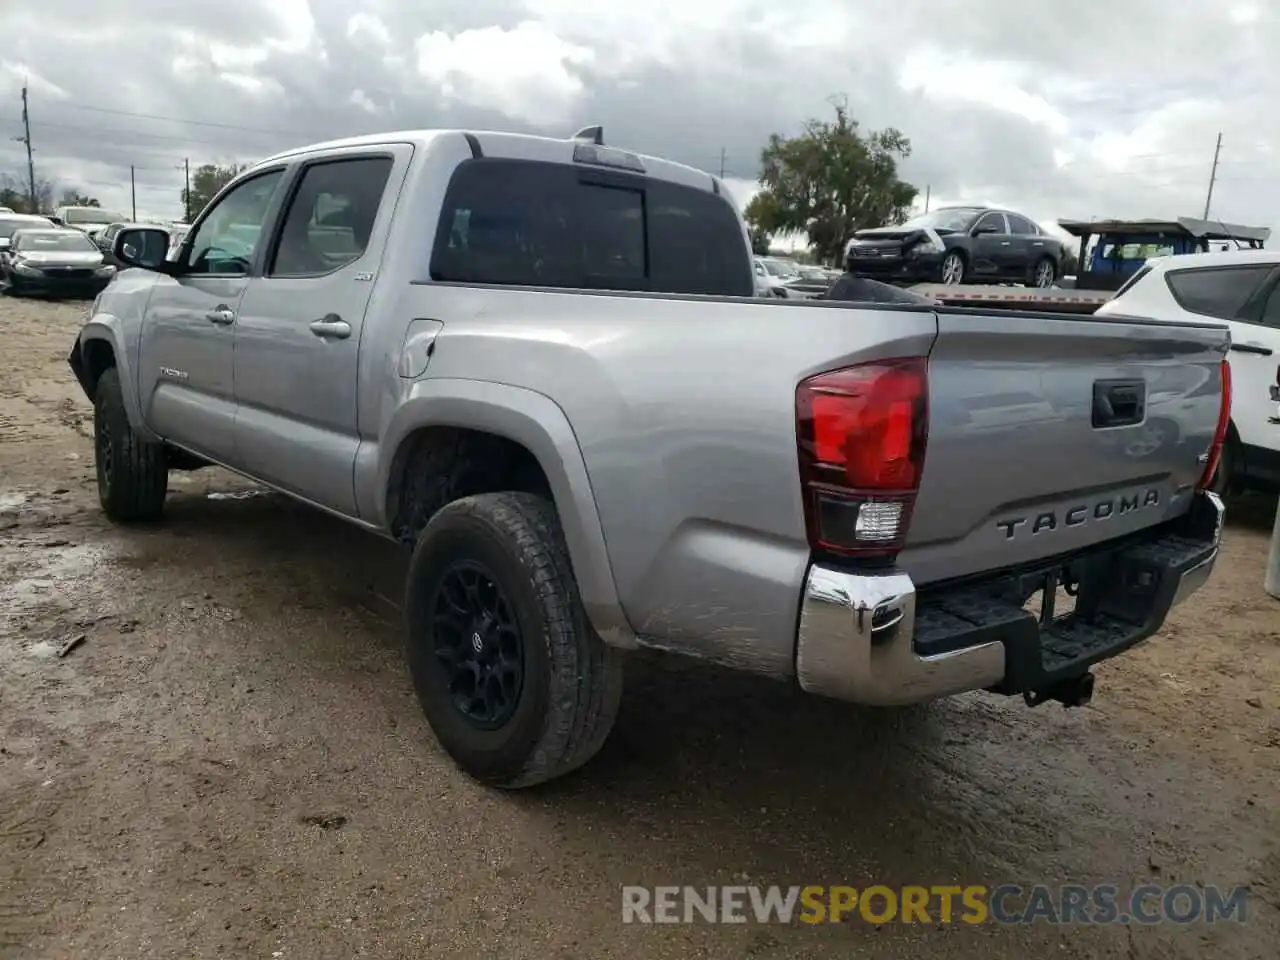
[685, 414]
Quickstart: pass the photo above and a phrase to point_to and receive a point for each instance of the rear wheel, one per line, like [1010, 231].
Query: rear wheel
[953, 268]
[133, 474]
[517, 686]
[1044, 273]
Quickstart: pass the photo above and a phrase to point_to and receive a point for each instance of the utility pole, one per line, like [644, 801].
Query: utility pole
[1213, 175]
[722, 163]
[186, 197]
[31, 164]
[927, 190]
[133, 194]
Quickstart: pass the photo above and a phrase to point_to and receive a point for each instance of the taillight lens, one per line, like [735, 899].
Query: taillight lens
[1220, 431]
[861, 433]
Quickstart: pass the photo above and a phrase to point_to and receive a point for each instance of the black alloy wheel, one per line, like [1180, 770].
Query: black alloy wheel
[478, 644]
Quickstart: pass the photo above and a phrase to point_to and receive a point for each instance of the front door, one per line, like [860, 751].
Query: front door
[299, 325]
[185, 371]
[991, 244]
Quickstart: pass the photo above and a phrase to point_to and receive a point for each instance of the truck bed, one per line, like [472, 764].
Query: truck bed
[685, 411]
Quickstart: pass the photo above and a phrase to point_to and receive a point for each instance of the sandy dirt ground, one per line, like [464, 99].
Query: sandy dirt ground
[231, 762]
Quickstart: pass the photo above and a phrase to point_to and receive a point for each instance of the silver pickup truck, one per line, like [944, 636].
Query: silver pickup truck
[539, 364]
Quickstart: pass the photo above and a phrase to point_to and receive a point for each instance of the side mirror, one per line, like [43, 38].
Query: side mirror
[985, 229]
[143, 247]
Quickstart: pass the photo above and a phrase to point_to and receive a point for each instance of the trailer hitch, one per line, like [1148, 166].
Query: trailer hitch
[1071, 692]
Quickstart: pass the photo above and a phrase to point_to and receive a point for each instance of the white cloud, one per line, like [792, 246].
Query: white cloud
[361, 99]
[367, 26]
[946, 77]
[1064, 110]
[525, 72]
[14, 75]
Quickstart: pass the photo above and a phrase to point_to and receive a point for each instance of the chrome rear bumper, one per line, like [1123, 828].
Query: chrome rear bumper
[857, 637]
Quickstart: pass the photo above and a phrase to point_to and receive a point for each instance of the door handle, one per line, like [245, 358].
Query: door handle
[1004, 243]
[331, 327]
[222, 315]
[1257, 348]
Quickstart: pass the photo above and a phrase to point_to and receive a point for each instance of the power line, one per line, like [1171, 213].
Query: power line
[98, 131]
[184, 120]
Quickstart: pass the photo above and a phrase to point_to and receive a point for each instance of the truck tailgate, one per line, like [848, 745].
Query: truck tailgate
[1051, 434]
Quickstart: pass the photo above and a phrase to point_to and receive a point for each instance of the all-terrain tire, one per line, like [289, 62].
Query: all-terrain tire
[572, 680]
[133, 473]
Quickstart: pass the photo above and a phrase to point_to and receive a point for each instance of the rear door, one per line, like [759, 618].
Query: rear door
[992, 250]
[1027, 248]
[297, 337]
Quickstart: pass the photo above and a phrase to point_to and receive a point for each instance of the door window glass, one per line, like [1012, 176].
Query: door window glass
[330, 217]
[991, 221]
[1021, 226]
[226, 240]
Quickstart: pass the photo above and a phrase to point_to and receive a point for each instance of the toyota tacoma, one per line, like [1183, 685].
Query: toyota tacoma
[540, 366]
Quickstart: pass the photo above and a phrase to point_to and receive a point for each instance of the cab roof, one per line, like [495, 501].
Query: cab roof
[519, 146]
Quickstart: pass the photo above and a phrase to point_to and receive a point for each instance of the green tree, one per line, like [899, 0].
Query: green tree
[74, 198]
[829, 182]
[206, 181]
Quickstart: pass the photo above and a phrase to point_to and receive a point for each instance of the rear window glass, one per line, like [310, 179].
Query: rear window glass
[1215, 291]
[526, 223]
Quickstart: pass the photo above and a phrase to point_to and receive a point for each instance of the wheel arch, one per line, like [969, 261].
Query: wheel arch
[100, 347]
[452, 438]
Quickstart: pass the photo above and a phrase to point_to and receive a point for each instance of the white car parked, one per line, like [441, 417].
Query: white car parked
[1242, 289]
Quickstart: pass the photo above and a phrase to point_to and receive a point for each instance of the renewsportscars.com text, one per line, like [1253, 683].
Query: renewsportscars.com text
[937, 904]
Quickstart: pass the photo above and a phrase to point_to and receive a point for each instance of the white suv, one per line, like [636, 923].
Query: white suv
[1242, 289]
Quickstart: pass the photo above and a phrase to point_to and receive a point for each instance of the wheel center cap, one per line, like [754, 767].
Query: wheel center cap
[477, 643]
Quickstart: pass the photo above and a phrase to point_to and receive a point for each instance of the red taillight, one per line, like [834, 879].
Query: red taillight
[1220, 431]
[861, 433]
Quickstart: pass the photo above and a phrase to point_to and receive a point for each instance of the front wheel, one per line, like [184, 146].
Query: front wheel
[953, 268]
[517, 686]
[133, 474]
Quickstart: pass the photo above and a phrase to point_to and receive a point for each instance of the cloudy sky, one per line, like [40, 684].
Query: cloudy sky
[1074, 108]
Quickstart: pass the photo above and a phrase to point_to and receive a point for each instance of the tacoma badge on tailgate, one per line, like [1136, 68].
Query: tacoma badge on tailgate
[1075, 516]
